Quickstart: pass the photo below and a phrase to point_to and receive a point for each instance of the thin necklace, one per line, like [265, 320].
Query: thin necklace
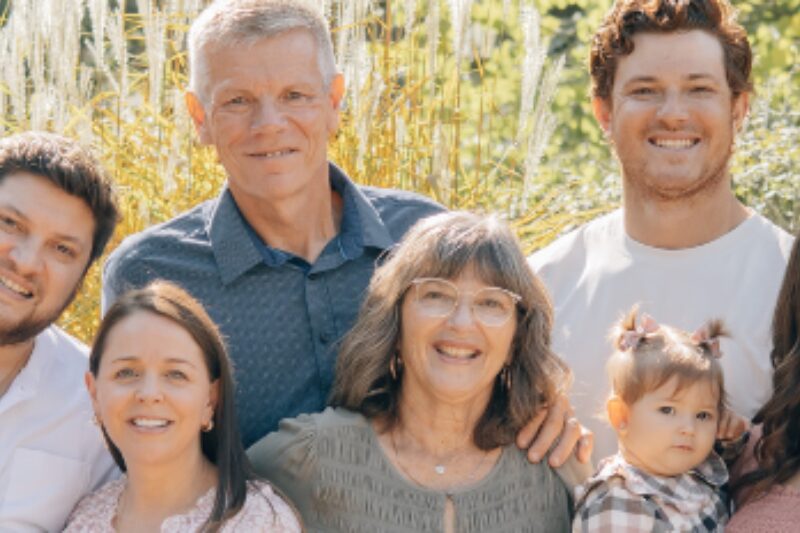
[439, 468]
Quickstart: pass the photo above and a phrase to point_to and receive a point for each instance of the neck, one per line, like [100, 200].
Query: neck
[301, 225]
[436, 427]
[13, 358]
[161, 491]
[682, 223]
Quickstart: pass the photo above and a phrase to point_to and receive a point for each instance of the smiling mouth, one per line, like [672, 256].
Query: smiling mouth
[274, 154]
[453, 352]
[674, 144]
[15, 288]
[150, 423]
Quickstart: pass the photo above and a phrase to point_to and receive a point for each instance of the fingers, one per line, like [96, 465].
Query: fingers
[552, 428]
[568, 441]
[585, 445]
[526, 434]
[731, 426]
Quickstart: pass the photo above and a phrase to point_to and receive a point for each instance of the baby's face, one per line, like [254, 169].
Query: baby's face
[669, 432]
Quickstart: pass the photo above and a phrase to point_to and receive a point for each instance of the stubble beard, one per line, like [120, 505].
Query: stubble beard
[30, 326]
[636, 179]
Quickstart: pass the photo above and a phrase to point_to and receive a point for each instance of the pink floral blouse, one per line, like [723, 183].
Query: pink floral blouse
[263, 510]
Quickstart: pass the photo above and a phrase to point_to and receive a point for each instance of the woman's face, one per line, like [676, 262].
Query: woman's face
[152, 392]
[455, 357]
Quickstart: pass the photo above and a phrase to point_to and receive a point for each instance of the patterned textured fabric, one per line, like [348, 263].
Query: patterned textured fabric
[622, 498]
[263, 510]
[333, 468]
[281, 318]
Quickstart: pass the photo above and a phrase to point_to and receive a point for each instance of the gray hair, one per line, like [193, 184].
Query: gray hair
[443, 246]
[243, 22]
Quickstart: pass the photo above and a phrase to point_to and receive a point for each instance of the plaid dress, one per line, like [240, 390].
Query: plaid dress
[623, 499]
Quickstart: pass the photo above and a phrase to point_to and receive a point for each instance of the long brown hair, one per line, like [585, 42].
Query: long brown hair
[777, 452]
[222, 445]
[444, 246]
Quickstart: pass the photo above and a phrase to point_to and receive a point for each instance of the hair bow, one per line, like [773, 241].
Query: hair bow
[632, 337]
[703, 338]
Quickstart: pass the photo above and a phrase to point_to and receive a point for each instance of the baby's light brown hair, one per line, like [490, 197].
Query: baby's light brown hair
[647, 355]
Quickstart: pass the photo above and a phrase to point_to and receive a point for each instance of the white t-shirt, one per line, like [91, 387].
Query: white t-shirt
[597, 273]
[51, 454]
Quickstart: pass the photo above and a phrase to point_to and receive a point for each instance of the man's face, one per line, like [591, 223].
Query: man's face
[45, 243]
[269, 116]
[671, 115]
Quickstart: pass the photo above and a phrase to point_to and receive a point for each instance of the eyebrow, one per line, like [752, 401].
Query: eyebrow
[133, 358]
[59, 236]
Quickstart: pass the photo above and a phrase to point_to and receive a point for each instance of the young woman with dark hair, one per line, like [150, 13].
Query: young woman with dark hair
[162, 389]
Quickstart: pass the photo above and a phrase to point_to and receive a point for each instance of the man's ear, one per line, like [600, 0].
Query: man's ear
[617, 411]
[198, 114]
[602, 112]
[335, 94]
[739, 109]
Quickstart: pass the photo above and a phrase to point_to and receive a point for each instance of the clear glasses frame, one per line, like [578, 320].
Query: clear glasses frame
[439, 298]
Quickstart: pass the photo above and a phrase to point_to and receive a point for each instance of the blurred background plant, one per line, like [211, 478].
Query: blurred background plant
[481, 104]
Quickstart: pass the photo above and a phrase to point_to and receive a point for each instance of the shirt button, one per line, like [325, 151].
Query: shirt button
[324, 338]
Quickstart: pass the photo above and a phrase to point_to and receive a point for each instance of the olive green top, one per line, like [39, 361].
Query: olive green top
[331, 466]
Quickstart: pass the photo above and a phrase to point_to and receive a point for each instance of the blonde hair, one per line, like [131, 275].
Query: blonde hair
[645, 360]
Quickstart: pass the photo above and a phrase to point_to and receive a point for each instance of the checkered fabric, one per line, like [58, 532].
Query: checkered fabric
[623, 499]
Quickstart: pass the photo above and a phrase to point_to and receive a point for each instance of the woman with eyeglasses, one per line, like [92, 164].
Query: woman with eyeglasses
[449, 358]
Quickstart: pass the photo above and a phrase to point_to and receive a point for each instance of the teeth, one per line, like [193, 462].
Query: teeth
[14, 287]
[456, 352]
[150, 422]
[674, 143]
[270, 155]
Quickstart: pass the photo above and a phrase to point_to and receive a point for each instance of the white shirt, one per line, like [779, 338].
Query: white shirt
[597, 273]
[51, 454]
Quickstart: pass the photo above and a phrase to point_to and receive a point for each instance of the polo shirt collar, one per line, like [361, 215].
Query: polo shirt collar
[374, 232]
[236, 253]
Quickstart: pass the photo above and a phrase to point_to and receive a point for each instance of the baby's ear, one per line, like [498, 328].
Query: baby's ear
[617, 411]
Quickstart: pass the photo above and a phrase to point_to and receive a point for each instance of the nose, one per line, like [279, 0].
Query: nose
[268, 115]
[149, 389]
[26, 256]
[462, 315]
[687, 424]
[673, 111]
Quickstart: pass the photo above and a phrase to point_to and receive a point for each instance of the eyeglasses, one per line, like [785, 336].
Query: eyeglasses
[438, 298]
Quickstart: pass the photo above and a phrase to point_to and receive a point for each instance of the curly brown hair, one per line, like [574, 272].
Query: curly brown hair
[626, 18]
[777, 452]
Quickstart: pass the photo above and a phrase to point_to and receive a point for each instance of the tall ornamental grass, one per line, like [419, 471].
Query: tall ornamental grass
[449, 98]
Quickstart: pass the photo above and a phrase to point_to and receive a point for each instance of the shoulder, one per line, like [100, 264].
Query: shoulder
[771, 235]
[398, 209]
[188, 227]
[65, 360]
[295, 444]
[62, 346]
[570, 251]
[264, 510]
[96, 510]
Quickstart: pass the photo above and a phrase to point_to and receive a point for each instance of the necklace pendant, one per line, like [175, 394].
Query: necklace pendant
[439, 469]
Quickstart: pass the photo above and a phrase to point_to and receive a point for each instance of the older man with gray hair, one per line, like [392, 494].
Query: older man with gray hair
[282, 257]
